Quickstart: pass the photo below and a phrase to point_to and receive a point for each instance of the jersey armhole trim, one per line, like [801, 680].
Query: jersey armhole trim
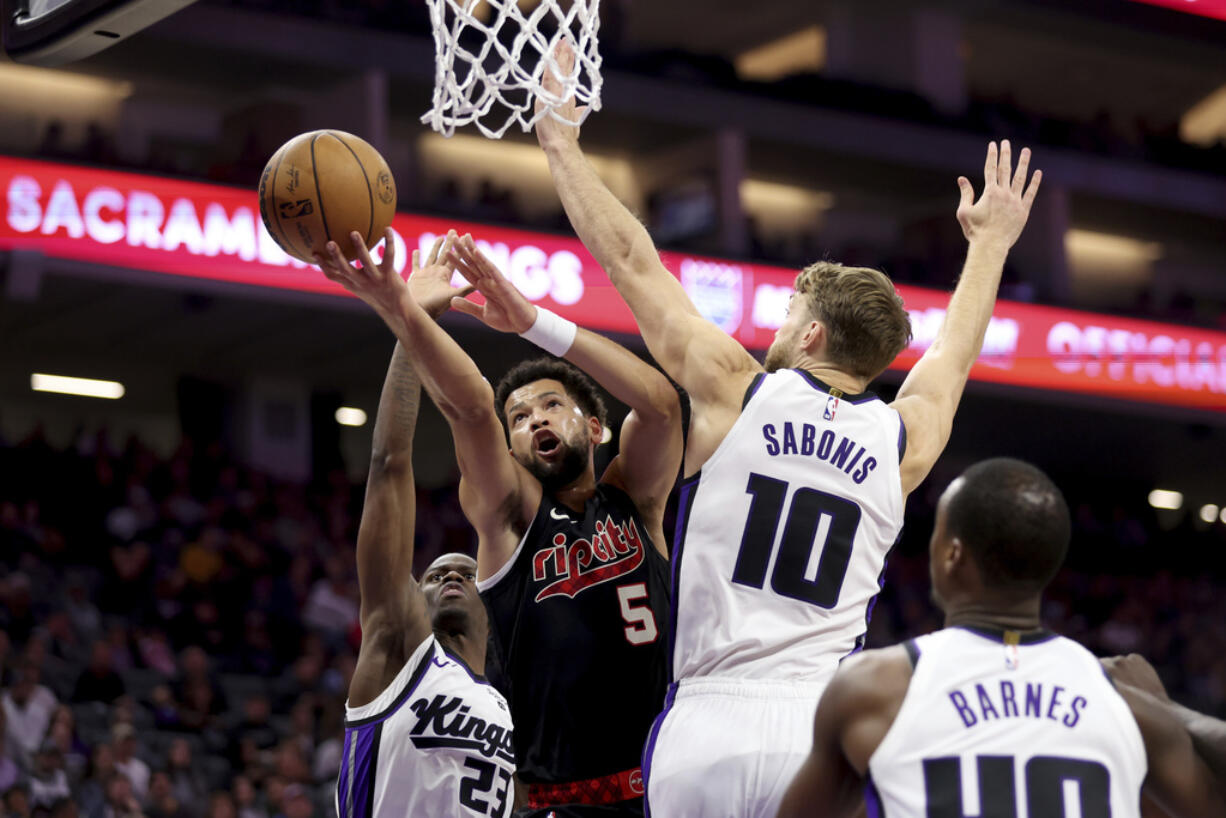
[752, 389]
[410, 686]
[913, 652]
[488, 583]
[902, 437]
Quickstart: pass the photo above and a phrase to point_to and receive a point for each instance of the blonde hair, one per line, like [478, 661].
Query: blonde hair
[865, 322]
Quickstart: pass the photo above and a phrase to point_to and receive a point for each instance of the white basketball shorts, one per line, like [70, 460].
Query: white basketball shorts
[728, 748]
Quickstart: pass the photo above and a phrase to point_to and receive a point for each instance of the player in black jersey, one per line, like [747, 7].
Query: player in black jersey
[572, 568]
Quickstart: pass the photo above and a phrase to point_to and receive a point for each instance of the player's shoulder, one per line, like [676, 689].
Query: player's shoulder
[872, 677]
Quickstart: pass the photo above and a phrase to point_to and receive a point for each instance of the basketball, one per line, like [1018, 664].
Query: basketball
[321, 186]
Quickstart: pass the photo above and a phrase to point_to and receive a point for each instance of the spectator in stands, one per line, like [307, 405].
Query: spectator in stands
[246, 799]
[332, 607]
[17, 802]
[127, 762]
[186, 780]
[252, 734]
[92, 792]
[65, 808]
[194, 667]
[296, 802]
[17, 616]
[221, 805]
[121, 801]
[28, 707]
[48, 779]
[63, 732]
[161, 802]
[82, 612]
[98, 682]
[10, 773]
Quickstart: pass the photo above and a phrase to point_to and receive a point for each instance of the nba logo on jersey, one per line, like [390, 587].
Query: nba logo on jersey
[1013, 657]
[832, 406]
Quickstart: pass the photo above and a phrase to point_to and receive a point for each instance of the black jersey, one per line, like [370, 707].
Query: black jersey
[577, 621]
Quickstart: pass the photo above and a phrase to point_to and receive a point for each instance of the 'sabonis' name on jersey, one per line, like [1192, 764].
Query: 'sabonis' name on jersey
[1025, 700]
[839, 451]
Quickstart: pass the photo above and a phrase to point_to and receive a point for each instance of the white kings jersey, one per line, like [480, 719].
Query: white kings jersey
[783, 534]
[437, 741]
[1001, 727]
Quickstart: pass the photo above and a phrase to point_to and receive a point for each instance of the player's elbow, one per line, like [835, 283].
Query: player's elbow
[391, 463]
[472, 405]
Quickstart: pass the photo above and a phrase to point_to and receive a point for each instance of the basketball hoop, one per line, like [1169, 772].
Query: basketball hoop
[491, 58]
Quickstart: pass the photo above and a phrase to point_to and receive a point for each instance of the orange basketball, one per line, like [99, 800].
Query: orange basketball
[321, 186]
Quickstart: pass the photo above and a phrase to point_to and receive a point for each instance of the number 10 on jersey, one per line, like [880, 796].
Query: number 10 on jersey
[813, 517]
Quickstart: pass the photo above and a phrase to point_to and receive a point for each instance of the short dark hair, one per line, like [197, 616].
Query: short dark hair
[581, 389]
[1014, 522]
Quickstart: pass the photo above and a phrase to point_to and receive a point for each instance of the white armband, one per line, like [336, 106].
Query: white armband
[551, 332]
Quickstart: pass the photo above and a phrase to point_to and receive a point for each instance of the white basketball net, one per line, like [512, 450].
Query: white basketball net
[494, 77]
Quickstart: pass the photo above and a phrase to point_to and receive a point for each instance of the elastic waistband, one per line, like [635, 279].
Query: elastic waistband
[749, 688]
[608, 789]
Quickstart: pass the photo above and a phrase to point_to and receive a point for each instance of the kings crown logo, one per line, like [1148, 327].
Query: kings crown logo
[570, 568]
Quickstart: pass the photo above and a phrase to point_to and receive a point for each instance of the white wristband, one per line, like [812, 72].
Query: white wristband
[551, 332]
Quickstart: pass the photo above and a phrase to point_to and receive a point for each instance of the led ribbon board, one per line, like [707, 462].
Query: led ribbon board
[205, 231]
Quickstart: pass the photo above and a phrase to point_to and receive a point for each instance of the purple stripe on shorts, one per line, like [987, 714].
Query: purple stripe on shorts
[366, 741]
[650, 749]
[872, 799]
[342, 783]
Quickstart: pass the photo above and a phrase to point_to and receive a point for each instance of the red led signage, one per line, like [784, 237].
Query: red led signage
[212, 232]
[1205, 8]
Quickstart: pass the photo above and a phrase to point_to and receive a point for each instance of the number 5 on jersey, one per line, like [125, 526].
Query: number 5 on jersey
[640, 621]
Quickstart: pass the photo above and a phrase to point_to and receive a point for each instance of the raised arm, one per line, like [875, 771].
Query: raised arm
[930, 394]
[705, 360]
[651, 442]
[393, 610]
[495, 491]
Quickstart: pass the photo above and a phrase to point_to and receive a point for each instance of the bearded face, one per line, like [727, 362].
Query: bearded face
[550, 435]
[782, 351]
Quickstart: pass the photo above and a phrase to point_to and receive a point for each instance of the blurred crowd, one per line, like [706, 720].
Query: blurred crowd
[177, 633]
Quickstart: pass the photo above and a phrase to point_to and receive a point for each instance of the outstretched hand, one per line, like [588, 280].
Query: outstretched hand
[430, 283]
[379, 285]
[505, 308]
[1002, 210]
[550, 132]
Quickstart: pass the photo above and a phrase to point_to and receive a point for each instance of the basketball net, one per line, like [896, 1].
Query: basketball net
[490, 60]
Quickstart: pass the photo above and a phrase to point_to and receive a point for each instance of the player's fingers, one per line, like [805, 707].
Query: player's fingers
[1023, 167]
[389, 250]
[478, 269]
[338, 261]
[1033, 189]
[966, 192]
[467, 289]
[464, 269]
[467, 307]
[416, 259]
[433, 257]
[989, 166]
[448, 242]
[1004, 170]
[368, 264]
